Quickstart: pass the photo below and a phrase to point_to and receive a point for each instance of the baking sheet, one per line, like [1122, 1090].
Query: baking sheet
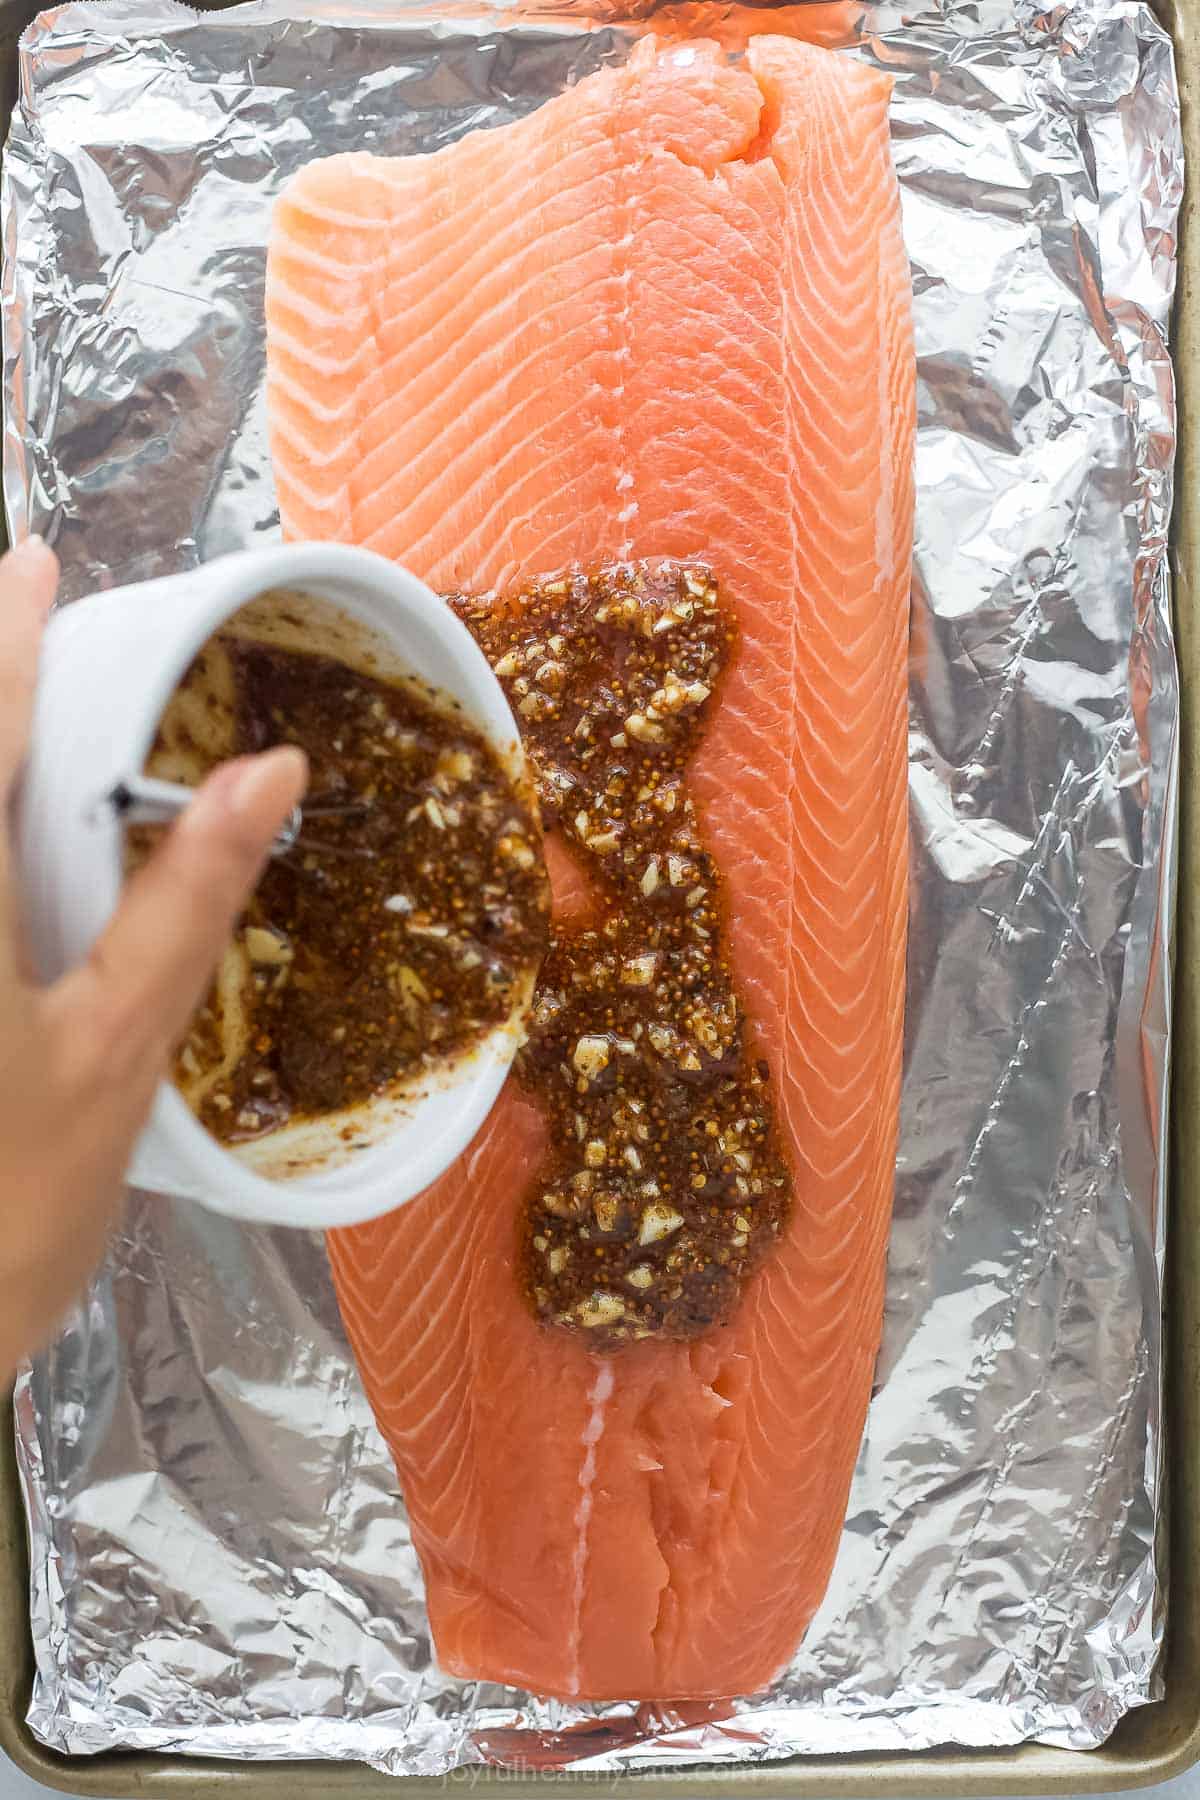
[216, 1538]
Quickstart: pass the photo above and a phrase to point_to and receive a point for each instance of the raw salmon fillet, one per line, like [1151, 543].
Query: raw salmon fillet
[666, 315]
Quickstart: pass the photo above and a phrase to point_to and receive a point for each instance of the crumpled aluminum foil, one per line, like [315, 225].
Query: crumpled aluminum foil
[220, 1561]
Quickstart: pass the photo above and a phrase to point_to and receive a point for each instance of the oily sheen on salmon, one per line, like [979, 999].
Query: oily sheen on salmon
[662, 321]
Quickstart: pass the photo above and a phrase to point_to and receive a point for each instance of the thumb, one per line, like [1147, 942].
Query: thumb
[153, 963]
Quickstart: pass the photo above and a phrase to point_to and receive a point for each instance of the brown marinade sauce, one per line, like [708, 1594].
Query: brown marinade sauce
[390, 938]
[666, 1183]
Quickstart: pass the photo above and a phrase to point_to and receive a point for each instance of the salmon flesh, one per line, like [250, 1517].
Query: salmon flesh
[667, 315]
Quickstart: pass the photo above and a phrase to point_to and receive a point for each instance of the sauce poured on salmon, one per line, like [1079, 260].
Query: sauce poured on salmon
[665, 1184]
[665, 316]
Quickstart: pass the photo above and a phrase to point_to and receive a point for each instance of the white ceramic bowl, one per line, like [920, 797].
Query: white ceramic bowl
[109, 665]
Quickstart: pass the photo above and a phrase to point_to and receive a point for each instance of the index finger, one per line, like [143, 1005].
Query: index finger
[148, 972]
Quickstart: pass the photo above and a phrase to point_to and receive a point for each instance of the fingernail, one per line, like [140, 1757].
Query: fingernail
[272, 771]
[219, 786]
[31, 549]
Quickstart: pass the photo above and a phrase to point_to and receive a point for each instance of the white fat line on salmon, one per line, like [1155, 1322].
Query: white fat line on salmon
[593, 1431]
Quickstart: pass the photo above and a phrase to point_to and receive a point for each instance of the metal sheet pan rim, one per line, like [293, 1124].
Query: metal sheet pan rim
[1032, 1769]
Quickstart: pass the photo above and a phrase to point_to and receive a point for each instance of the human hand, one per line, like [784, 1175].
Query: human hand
[80, 1061]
